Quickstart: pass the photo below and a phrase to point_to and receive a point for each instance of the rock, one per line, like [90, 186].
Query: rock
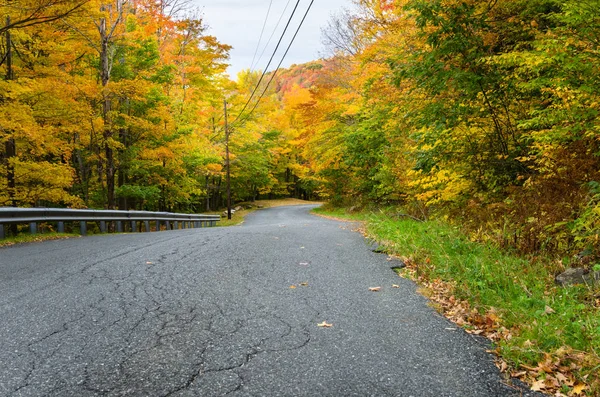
[238, 208]
[574, 276]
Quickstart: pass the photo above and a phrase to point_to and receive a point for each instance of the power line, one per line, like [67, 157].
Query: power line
[261, 33]
[270, 60]
[252, 65]
[278, 66]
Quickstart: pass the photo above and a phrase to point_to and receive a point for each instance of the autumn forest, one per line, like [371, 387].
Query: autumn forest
[481, 113]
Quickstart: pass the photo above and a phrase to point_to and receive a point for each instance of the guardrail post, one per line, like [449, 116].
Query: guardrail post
[133, 226]
[119, 227]
[33, 228]
[147, 226]
[83, 228]
[2, 232]
[61, 227]
[168, 225]
[102, 226]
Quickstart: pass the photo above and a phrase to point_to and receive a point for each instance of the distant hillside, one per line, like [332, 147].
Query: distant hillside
[305, 75]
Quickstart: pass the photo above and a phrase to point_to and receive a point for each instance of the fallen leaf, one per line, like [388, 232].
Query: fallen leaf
[148, 263]
[324, 324]
[292, 286]
[303, 263]
[301, 248]
[395, 286]
[304, 284]
[503, 366]
[549, 310]
[375, 289]
[538, 385]
[474, 332]
[579, 388]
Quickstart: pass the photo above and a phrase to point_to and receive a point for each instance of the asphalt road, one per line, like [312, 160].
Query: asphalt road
[210, 312]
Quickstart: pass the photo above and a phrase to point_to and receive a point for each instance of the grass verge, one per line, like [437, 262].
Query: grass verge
[546, 335]
[31, 238]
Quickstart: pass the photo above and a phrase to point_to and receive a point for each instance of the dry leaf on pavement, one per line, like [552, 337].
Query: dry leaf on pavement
[324, 324]
[375, 289]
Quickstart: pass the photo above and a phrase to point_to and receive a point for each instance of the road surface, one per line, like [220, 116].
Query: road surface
[213, 312]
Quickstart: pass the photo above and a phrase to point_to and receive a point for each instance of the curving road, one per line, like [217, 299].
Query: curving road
[210, 312]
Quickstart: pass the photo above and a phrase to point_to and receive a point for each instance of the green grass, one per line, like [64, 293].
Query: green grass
[518, 290]
[30, 238]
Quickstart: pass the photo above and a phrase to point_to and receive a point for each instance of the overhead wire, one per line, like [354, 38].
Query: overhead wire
[270, 60]
[261, 33]
[278, 66]
[252, 65]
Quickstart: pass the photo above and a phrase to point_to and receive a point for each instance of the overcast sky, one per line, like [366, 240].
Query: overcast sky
[239, 23]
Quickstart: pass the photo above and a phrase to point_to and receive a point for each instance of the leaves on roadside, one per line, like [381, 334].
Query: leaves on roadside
[325, 324]
[549, 310]
[579, 388]
[395, 286]
[538, 385]
[292, 287]
[304, 284]
[375, 289]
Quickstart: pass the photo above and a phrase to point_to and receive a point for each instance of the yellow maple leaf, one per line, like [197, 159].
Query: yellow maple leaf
[578, 389]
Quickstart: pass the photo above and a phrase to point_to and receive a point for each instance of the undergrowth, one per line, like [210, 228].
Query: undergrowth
[544, 334]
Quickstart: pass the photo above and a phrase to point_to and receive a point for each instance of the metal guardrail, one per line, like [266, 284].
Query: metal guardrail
[60, 216]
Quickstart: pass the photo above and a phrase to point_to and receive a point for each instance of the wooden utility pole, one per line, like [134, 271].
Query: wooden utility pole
[10, 145]
[227, 164]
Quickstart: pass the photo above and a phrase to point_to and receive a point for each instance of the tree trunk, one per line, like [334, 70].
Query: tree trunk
[207, 194]
[121, 171]
[10, 145]
[11, 152]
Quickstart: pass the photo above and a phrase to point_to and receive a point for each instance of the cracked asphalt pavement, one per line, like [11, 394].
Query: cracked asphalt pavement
[210, 312]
